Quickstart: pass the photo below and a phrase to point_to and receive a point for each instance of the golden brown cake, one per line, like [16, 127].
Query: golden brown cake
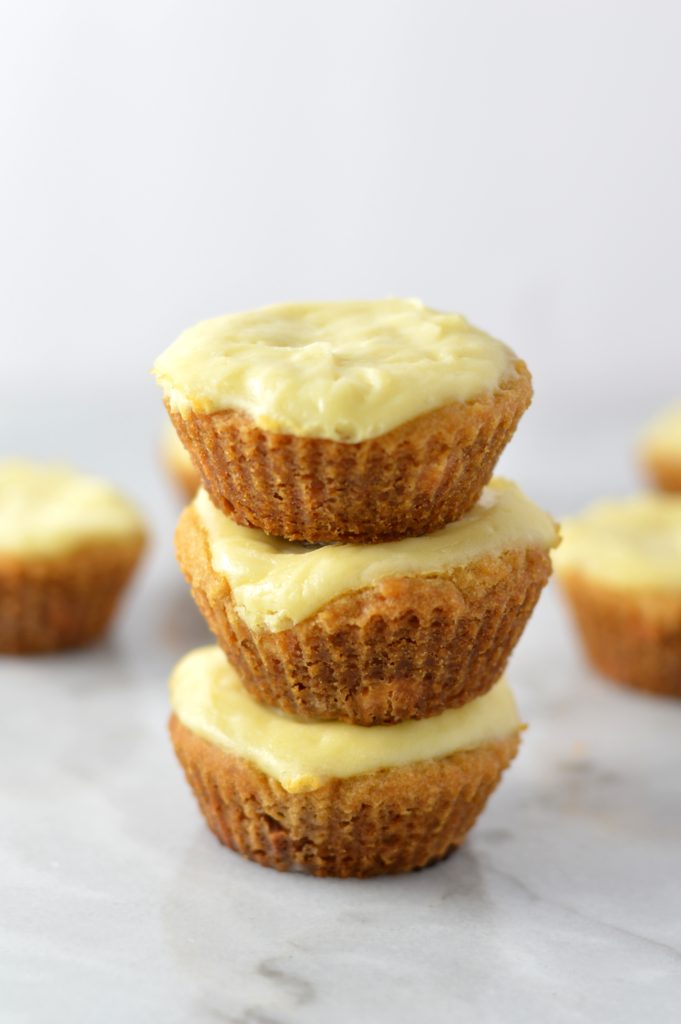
[328, 798]
[371, 633]
[620, 567]
[357, 421]
[68, 545]
[660, 450]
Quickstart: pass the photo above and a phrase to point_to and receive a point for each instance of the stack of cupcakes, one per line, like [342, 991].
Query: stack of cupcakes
[365, 581]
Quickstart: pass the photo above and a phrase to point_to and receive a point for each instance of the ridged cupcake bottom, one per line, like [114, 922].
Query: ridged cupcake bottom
[412, 480]
[631, 637]
[66, 601]
[384, 822]
[408, 647]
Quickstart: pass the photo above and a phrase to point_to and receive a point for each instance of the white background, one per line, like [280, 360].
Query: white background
[166, 161]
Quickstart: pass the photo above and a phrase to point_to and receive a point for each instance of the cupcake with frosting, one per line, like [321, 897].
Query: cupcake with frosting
[330, 798]
[620, 567]
[343, 421]
[68, 545]
[371, 633]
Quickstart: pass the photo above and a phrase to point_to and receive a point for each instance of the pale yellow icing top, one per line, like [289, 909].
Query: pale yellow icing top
[662, 437]
[51, 510]
[210, 700]
[341, 370]
[277, 583]
[632, 543]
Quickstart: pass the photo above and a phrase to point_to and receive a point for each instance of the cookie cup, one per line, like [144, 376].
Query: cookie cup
[633, 637]
[329, 798]
[66, 600]
[620, 567]
[409, 481]
[68, 544]
[382, 823]
[405, 646]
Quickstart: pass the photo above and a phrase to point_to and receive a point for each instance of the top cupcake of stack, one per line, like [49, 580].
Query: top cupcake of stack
[354, 421]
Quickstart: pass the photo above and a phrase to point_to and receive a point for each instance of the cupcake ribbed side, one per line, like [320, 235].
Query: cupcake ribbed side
[384, 822]
[404, 648]
[51, 603]
[407, 482]
[632, 638]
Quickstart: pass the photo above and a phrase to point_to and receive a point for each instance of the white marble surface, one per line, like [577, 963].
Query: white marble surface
[117, 904]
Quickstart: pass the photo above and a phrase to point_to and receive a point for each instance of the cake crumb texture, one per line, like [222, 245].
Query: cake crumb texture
[408, 647]
[384, 822]
[412, 480]
[49, 603]
[631, 637]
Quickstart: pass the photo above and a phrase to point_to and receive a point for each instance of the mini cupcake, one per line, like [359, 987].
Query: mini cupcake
[329, 798]
[350, 421]
[68, 544]
[660, 450]
[178, 463]
[620, 567]
[370, 633]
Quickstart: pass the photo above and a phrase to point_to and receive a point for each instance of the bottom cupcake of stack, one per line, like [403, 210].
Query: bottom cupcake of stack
[332, 798]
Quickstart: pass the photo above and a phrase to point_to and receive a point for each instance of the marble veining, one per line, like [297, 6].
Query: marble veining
[117, 904]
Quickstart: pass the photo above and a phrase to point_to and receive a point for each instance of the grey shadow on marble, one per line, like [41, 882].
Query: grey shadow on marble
[221, 908]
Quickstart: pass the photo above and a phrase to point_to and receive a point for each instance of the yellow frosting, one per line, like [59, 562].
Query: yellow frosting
[210, 700]
[662, 437]
[50, 510]
[341, 370]
[277, 583]
[632, 543]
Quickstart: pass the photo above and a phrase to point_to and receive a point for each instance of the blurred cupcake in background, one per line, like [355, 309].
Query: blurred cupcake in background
[620, 567]
[178, 463]
[660, 449]
[68, 545]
